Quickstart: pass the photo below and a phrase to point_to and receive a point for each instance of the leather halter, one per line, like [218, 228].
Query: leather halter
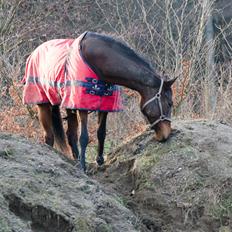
[162, 117]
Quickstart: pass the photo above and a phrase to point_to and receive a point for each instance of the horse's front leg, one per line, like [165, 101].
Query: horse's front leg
[72, 132]
[84, 137]
[101, 134]
[45, 118]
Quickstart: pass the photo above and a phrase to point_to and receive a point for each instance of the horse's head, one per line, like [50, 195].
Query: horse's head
[157, 107]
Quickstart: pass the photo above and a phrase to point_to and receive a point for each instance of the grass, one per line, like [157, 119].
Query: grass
[7, 153]
[4, 226]
[121, 200]
[223, 208]
[91, 151]
[82, 224]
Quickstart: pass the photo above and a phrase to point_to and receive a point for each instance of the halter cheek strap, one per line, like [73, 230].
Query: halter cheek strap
[162, 117]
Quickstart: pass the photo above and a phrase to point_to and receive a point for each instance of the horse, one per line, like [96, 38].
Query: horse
[115, 64]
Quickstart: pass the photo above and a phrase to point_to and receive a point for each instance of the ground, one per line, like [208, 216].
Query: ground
[182, 185]
[41, 191]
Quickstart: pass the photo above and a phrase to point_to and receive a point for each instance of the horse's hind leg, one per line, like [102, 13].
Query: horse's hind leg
[101, 134]
[45, 118]
[84, 137]
[72, 132]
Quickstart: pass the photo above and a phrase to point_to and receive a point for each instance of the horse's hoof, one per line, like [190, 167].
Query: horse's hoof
[83, 168]
[80, 166]
[100, 160]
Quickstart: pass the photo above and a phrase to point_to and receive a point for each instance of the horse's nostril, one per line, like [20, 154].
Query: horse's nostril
[163, 140]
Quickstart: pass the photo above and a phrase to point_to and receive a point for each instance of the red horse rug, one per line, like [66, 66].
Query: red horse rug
[57, 73]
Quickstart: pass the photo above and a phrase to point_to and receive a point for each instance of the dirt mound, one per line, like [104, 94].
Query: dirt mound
[42, 191]
[182, 185]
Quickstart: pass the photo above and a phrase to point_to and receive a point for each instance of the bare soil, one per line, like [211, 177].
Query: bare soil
[182, 185]
[42, 191]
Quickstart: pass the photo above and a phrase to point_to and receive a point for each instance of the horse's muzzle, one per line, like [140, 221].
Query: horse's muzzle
[163, 130]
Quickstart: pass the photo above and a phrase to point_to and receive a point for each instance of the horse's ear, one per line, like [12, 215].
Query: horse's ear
[169, 83]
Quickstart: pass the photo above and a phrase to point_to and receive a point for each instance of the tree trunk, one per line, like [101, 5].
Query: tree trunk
[210, 83]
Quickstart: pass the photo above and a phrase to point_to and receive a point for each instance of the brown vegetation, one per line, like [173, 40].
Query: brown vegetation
[170, 34]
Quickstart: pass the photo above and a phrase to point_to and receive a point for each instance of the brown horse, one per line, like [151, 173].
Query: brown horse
[115, 63]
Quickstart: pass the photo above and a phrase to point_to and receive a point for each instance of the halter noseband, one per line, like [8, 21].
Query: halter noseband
[158, 97]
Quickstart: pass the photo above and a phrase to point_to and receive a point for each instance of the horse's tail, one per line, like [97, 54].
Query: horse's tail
[58, 129]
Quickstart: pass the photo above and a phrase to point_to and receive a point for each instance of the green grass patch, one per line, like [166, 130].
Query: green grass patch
[7, 153]
[4, 226]
[83, 224]
[91, 151]
[223, 209]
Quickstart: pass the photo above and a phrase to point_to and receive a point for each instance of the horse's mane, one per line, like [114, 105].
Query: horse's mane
[124, 49]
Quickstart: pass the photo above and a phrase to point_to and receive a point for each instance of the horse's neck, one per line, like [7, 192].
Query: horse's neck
[140, 80]
[130, 74]
[143, 81]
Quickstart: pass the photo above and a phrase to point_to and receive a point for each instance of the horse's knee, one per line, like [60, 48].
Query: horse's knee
[101, 133]
[84, 140]
[69, 137]
[72, 137]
